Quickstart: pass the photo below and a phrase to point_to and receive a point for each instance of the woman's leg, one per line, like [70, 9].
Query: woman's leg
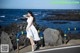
[32, 43]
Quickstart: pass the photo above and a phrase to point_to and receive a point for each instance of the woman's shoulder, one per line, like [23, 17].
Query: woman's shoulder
[31, 18]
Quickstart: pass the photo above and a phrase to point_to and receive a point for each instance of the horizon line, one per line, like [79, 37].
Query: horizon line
[36, 8]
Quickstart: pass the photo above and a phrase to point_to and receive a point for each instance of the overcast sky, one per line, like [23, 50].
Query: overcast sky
[37, 4]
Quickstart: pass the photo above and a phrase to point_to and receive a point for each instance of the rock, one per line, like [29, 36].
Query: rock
[13, 40]
[0, 35]
[22, 40]
[52, 37]
[6, 40]
[12, 30]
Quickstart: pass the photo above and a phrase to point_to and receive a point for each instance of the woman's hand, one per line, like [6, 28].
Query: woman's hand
[24, 15]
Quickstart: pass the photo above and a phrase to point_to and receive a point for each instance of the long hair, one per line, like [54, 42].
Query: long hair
[32, 16]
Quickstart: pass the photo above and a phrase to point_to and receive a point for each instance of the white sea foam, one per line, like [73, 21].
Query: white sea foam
[2, 16]
[15, 19]
[35, 14]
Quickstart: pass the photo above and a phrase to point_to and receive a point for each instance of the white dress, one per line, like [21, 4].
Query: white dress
[32, 32]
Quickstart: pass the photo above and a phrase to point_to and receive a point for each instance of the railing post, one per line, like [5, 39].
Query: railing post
[17, 45]
[17, 39]
[65, 38]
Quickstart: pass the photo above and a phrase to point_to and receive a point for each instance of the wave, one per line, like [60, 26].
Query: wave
[2, 16]
[35, 14]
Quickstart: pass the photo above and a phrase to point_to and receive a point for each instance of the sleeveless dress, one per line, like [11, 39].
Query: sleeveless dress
[32, 31]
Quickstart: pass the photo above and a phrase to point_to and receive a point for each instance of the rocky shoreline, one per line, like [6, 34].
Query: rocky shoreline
[10, 33]
[69, 16]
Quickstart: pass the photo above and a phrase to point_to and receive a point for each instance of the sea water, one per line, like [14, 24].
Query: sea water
[9, 16]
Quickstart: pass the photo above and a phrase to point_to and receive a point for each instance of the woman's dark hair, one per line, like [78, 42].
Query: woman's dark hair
[32, 16]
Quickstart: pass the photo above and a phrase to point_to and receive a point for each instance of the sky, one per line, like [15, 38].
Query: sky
[37, 4]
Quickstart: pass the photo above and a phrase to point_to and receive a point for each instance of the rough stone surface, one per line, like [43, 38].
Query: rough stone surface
[6, 40]
[52, 37]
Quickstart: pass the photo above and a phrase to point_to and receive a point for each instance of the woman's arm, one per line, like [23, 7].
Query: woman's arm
[25, 16]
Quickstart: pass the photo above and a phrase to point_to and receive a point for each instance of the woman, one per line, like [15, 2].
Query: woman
[32, 33]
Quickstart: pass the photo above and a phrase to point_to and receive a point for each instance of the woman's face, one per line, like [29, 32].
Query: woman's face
[29, 14]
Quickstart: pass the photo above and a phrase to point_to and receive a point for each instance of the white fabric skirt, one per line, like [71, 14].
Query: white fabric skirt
[32, 32]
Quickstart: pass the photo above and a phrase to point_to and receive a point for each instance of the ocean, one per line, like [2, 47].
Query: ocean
[9, 16]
